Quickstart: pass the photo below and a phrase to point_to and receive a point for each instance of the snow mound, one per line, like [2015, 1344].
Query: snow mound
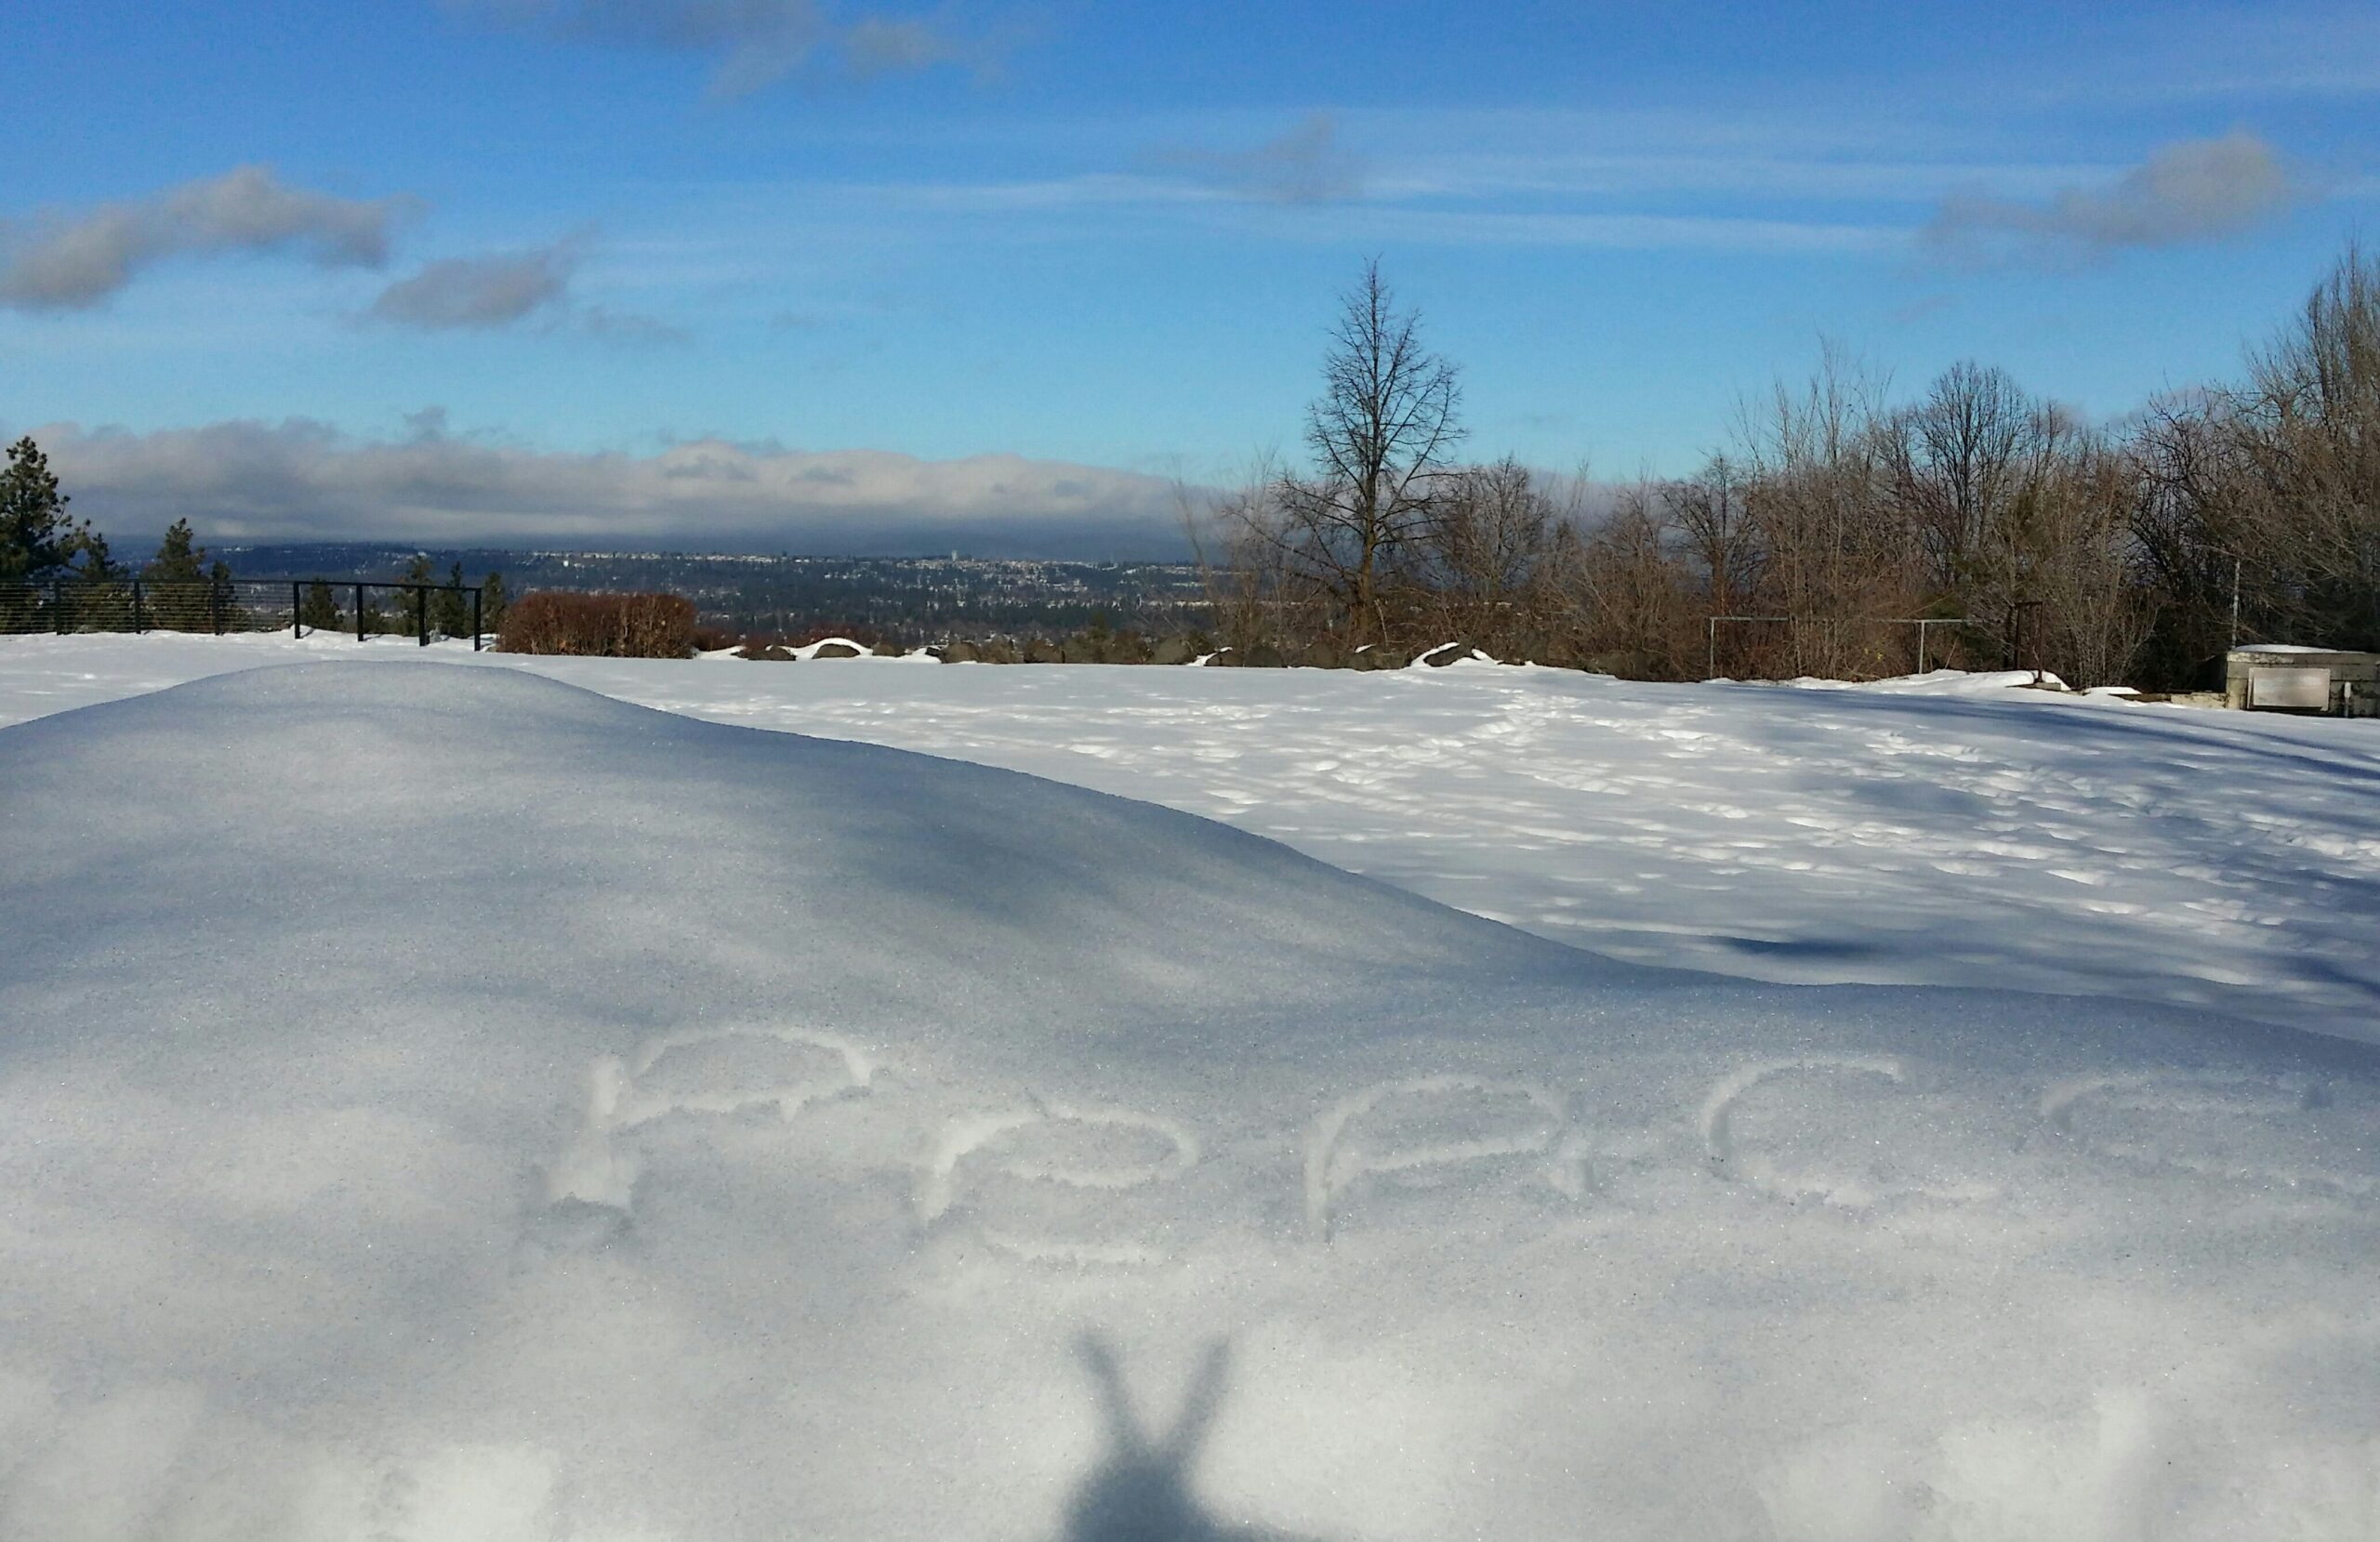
[442, 1103]
[1941, 682]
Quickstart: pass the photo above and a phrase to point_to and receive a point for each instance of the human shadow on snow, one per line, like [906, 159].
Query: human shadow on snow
[1141, 1489]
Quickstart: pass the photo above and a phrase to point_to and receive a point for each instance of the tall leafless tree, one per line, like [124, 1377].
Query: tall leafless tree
[1382, 435]
[2307, 429]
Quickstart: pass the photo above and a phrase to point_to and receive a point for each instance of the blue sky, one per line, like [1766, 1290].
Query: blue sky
[775, 272]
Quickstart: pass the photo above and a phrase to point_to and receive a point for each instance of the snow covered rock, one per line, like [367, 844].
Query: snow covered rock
[442, 1103]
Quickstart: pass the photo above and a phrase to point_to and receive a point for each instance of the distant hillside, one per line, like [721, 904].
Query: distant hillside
[892, 596]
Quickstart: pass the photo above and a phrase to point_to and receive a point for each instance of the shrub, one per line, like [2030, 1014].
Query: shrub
[607, 625]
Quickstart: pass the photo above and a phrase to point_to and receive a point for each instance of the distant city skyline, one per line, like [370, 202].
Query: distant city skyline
[789, 275]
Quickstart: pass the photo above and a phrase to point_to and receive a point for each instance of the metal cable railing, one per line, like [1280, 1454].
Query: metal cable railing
[226, 605]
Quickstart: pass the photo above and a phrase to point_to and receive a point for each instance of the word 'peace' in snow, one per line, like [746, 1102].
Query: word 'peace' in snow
[1402, 1129]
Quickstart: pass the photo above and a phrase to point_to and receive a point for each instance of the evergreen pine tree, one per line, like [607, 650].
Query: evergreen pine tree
[101, 600]
[37, 541]
[97, 567]
[417, 571]
[450, 608]
[235, 615]
[492, 600]
[178, 560]
[320, 610]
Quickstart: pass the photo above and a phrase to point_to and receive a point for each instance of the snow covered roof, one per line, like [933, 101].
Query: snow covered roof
[2294, 648]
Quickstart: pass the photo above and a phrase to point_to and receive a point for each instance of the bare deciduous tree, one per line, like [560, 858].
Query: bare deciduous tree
[1959, 458]
[2099, 553]
[1382, 434]
[2081, 567]
[1637, 607]
[2307, 429]
[1709, 512]
[1834, 553]
[1482, 557]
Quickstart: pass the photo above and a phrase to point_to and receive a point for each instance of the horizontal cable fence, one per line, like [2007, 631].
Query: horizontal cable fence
[224, 606]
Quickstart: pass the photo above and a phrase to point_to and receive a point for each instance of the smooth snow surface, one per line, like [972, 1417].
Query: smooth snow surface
[442, 1105]
[1998, 837]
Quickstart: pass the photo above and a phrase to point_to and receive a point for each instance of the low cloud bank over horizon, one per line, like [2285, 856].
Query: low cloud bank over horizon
[299, 479]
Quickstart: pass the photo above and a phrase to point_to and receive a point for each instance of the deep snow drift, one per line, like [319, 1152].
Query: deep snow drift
[448, 1105]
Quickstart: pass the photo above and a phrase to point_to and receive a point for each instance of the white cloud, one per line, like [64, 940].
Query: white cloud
[298, 479]
[60, 261]
[2190, 191]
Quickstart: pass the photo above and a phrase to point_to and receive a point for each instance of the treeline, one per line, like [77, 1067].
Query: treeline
[1835, 519]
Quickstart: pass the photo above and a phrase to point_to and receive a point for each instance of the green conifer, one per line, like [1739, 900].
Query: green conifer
[97, 566]
[450, 608]
[180, 560]
[101, 600]
[37, 541]
[319, 610]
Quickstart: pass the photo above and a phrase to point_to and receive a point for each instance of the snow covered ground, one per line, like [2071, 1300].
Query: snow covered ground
[441, 1106]
[1945, 831]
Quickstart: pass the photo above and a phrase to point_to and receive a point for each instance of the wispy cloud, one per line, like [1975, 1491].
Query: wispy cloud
[884, 45]
[754, 43]
[1306, 165]
[2186, 191]
[1558, 173]
[480, 293]
[71, 262]
[2300, 51]
[299, 479]
[1622, 232]
[1437, 221]
[495, 290]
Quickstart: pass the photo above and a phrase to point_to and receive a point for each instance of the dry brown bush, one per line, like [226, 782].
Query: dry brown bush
[605, 625]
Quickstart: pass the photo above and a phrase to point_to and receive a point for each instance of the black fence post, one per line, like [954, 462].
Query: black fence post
[475, 619]
[359, 613]
[138, 626]
[421, 611]
[296, 616]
